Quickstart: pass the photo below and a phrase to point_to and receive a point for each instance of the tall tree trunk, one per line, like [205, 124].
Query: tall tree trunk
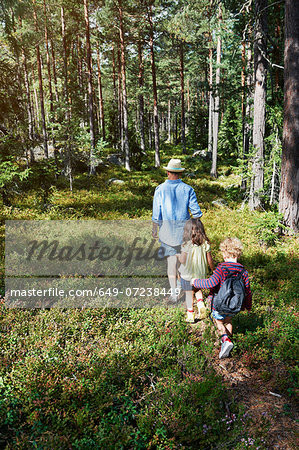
[41, 89]
[68, 156]
[276, 50]
[101, 102]
[35, 109]
[115, 124]
[188, 106]
[211, 96]
[113, 72]
[211, 101]
[259, 118]
[92, 167]
[243, 84]
[140, 95]
[289, 188]
[188, 95]
[248, 113]
[48, 58]
[176, 124]
[79, 65]
[29, 108]
[28, 98]
[155, 93]
[124, 87]
[169, 116]
[150, 139]
[54, 71]
[213, 172]
[120, 104]
[183, 124]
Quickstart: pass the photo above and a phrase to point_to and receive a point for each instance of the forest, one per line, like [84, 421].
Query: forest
[95, 98]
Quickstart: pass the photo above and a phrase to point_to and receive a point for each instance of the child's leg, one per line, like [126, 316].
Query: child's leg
[189, 300]
[198, 295]
[228, 326]
[220, 327]
[189, 304]
[202, 311]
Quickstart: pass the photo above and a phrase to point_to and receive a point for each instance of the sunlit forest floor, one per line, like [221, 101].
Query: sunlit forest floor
[137, 379]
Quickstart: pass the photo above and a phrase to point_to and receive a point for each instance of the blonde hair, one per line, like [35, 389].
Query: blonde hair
[231, 247]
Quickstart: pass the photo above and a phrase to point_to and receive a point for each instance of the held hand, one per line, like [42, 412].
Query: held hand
[192, 281]
[154, 234]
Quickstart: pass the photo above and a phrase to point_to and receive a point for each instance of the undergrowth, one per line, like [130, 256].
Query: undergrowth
[126, 378]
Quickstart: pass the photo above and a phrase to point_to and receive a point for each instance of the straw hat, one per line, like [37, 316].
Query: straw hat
[174, 165]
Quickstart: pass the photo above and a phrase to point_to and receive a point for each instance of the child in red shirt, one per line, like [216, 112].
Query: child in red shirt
[231, 249]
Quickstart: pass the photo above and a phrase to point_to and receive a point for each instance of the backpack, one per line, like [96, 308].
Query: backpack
[231, 294]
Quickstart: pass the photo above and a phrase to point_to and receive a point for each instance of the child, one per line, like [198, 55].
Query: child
[195, 257]
[231, 249]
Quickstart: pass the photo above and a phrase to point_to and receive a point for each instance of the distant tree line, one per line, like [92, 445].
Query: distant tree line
[77, 76]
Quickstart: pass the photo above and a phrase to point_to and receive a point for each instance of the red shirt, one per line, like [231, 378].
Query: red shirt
[219, 275]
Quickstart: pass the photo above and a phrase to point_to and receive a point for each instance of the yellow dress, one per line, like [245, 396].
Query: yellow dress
[196, 265]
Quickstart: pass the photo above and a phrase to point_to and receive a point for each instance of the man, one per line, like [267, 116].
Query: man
[172, 205]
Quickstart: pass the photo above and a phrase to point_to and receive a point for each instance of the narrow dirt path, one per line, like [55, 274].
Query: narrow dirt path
[261, 398]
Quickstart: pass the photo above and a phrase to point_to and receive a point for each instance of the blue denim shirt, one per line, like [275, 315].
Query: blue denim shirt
[172, 205]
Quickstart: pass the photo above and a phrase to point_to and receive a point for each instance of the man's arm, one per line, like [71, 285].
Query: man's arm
[155, 230]
[193, 205]
[157, 214]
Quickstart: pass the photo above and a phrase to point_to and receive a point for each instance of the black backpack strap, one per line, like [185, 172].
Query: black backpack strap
[228, 272]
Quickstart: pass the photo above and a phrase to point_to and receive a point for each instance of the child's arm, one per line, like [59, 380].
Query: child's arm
[182, 257]
[210, 261]
[208, 283]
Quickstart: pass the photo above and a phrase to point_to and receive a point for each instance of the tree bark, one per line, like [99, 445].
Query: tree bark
[188, 106]
[90, 91]
[120, 103]
[243, 54]
[259, 115]
[289, 188]
[29, 108]
[79, 65]
[48, 58]
[41, 89]
[213, 172]
[124, 88]
[68, 159]
[54, 71]
[211, 101]
[183, 124]
[115, 124]
[211, 96]
[155, 93]
[169, 117]
[150, 138]
[140, 95]
[35, 109]
[113, 73]
[276, 50]
[101, 102]
[248, 113]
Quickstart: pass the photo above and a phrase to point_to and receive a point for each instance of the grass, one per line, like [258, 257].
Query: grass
[128, 378]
